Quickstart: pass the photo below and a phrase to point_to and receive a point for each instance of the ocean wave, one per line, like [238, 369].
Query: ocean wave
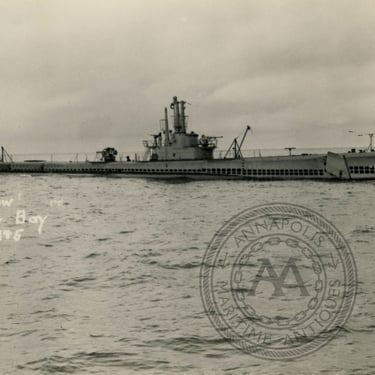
[84, 361]
[187, 344]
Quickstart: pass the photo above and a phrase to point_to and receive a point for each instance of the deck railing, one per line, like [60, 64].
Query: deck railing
[141, 156]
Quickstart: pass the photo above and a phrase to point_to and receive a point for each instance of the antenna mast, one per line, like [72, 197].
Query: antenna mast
[370, 145]
[5, 157]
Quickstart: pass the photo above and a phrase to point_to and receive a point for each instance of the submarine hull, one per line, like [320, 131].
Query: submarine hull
[351, 166]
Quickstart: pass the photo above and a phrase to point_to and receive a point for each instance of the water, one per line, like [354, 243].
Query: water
[111, 285]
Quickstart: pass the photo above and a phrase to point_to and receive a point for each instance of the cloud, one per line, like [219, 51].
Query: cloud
[76, 74]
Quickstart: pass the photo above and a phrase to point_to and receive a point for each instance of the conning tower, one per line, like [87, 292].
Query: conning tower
[179, 144]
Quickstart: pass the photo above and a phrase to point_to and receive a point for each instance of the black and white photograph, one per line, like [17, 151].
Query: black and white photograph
[187, 187]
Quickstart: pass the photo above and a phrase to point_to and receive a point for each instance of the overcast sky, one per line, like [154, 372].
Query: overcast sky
[78, 75]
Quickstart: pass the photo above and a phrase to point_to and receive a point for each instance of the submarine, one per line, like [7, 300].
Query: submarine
[175, 152]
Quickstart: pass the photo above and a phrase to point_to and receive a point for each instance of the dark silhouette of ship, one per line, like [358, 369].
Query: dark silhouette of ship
[178, 153]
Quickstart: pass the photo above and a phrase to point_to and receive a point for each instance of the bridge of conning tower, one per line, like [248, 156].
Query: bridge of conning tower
[179, 144]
